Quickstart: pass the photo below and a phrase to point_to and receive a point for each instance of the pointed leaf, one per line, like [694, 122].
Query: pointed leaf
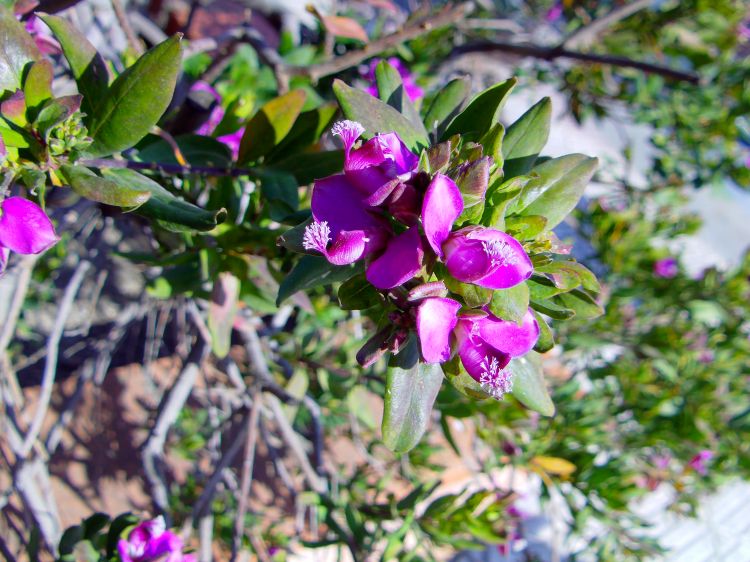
[136, 100]
[581, 303]
[306, 131]
[17, 49]
[554, 465]
[409, 397]
[54, 112]
[87, 184]
[558, 187]
[341, 26]
[88, 68]
[358, 293]
[376, 116]
[391, 90]
[482, 112]
[314, 271]
[221, 312]
[172, 212]
[528, 384]
[38, 84]
[546, 340]
[511, 304]
[525, 138]
[270, 125]
[310, 166]
[446, 105]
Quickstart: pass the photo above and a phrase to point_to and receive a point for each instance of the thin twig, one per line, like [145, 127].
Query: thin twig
[585, 36]
[247, 473]
[552, 53]
[24, 268]
[447, 16]
[122, 18]
[50, 364]
[166, 168]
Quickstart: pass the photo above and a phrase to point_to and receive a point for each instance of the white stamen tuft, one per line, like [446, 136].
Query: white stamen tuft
[349, 131]
[500, 252]
[316, 237]
[495, 381]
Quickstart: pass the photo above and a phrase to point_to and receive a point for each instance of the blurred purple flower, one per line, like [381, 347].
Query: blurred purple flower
[485, 343]
[232, 140]
[150, 541]
[46, 44]
[699, 462]
[412, 89]
[24, 229]
[554, 13]
[743, 30]
[666, 268]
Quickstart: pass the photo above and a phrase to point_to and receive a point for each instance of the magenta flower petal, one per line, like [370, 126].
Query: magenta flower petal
[666, 268]
[348, 247]
[509, 337]
[436, 318]
[406, 207]
[441, 206]
[484, 363]
[394, 149]
[24, 228]
[337, 203]
[510, 265]
[349, 131]
[400, 262]
[465, 257]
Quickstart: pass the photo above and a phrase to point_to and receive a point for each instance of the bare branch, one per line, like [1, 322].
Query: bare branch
[585, 36]
[122, 18]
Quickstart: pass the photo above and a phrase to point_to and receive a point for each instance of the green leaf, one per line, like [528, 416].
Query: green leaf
[473, 295]
[482, 112]
[492, 141]
[558, 187]
[70, 538]
[552, 309]
[197, 150]
[446, 105]
[526, 227]
[280, 194]
[391, 90]
[525, 138]
[562, 270]
[511, 304]
[582, 303]
[270, 125]
[38, 84]
[309, 166]
[409, 397]
[136, 99]
[546, 340]
[358, 293]
[528, 384]
[54, 112]
[88, 68]
[500, 197]
[463, 381]
[376, 116]
[17, 49]
[311, 272]
[93, 524]
[305, 132]
[472, 180]
[221, 312]
[15, 138]
[174, 213]
[87, 184]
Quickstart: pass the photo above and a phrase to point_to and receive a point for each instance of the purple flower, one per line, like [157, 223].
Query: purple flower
[24, 229]
[410, 87]
[150, 541]
[46, 44]
[698, 462]
[231, 140]
[554, 13]
[485, 344]
[486, 257]
[666, 268]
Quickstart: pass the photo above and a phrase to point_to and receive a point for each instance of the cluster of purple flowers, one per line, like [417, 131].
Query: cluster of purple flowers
[151, 541]
[24, 229]
[401, 221]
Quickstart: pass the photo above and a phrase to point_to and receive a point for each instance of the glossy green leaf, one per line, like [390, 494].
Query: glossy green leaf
[221, 312]
[561, 270]
[482, 112]
[525, 139]
[309, 166]
[198, 150]
[17, 138]
[473, 295]
[17, 49]
[136, 99]
[492, 141]
[280, 194]
[409, 396]
[293, 238]
[558, 187]
[511, 304]
[546, 339]
[314, 271]
[305, 132]
[88, 68]
[270, 125]
[526, 227]
[446, 105]
[38, 84]
[529, 387]
[54, 112]
[116, 529]
[391, 90]
[376, 116]
[552, 309]
[584, 305]
[358, 293]
[172, 212]
[500, 197]
[87, 184]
